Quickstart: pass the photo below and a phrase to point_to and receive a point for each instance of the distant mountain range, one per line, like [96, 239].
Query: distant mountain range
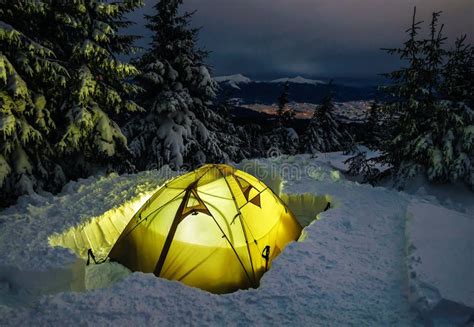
[246, 91]
[233, 80]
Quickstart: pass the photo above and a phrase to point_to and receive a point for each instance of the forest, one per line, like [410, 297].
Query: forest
[71, 106]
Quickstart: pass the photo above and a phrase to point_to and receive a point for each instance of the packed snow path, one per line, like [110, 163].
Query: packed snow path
[348, 269]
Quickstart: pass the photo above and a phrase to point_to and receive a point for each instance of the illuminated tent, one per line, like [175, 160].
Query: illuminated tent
[216, 228]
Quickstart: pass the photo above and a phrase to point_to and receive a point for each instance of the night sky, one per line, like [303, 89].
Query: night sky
[313, 38]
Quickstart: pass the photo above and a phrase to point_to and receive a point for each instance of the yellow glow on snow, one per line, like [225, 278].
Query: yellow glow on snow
[335, 175]
[307, 206]
[99, 233]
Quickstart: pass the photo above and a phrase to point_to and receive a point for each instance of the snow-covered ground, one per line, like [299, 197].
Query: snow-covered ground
[378, 257]
[440, 259]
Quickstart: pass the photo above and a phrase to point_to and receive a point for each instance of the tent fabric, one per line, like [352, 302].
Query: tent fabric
[210, 228]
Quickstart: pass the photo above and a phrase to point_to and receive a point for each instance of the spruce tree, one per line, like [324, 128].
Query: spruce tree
[458, 73]
[410, 91]
[323, 133]
[85, 37]
[432, 134]
[28, 68]
[456, 116]
[283, 139]
[360, 166]
[374, 125]
[235, 139]
[285, 114]
[178, 126]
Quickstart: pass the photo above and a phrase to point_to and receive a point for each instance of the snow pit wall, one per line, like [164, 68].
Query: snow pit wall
[306, 207]
[20, 286]
[100, 233]
[440, 262]
[26, 285]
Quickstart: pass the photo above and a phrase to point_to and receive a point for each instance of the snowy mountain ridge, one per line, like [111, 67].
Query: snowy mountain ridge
[239, 78]
[301, 90]
[297, 80]
[233, 80]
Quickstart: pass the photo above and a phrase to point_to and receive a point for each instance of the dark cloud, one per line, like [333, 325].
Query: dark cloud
[320, 38]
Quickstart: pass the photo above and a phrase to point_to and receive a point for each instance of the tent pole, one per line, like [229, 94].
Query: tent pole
[174, 226]
[242, 225]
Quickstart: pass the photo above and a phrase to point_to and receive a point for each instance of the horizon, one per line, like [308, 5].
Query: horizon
[348, 81]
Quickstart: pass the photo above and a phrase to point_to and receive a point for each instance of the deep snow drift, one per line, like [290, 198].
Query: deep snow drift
[369, 260]
[440, 258]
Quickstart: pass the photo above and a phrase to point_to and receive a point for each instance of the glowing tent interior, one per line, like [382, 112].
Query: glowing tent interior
[216, 228]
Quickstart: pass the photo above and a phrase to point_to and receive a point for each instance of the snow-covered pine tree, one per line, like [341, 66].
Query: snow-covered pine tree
[458, 73]
[323, 133]
[27, 69]
[431, 135]
[283, 139]
[285, 114]
[237, 139]
[456, 116]
[411, 95]
[178, 126]
[254, 140]
[360, 166]
[85, 37]
[374, 126]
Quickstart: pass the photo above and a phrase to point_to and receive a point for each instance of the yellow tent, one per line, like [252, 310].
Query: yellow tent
[216, 228]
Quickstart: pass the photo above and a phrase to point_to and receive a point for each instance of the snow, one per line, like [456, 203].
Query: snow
[29, 224]
[104, 275]
[233, 80]
[440, 256]
[350, 267]
[237, 78]
[298, 80]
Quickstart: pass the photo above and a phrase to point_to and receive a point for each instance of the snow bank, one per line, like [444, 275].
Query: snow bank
[440, 260]
[99, 233]
[22, 286]
[307, 206]
[456, 196]
[104, 275]
[30, 266]
[348, 269]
